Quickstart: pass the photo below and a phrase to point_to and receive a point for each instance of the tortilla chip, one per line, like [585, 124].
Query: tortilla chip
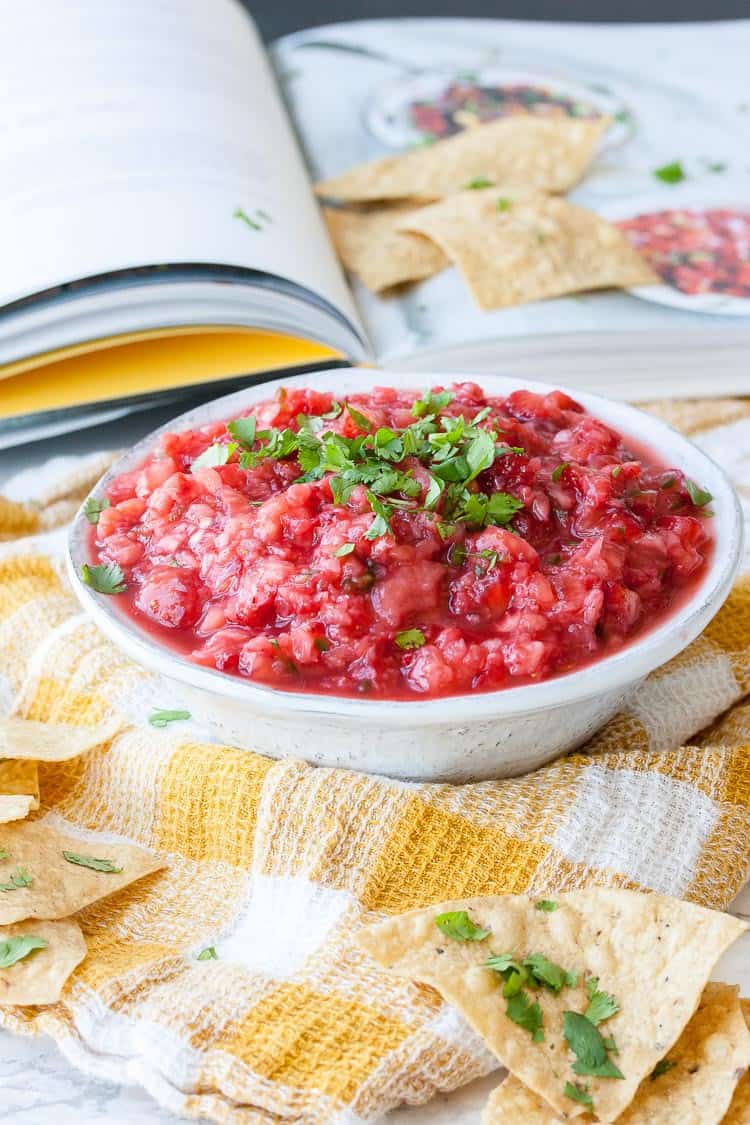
[739, 1110]
[551, 153]
[653, 953]
[39, 977]
[708, 1059]
[48, 742]
[531, 250]
[369, 245]
[58, 886]
[19, 789]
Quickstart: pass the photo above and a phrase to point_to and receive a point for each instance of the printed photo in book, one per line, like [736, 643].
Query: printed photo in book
[185, 208]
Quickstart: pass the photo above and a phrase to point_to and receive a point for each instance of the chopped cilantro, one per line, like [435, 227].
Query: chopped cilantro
[361, 421]
[559, 470]
[93, 864]
[4, 854]
[526, 1014]
[602, 1005]
[336, 409]
[431, 404]
[208, 954]
[672, 173]
[93, 508]
[19, 878]
[549, 974]
[457, 924]
[410, 638]
[14, 949]
[586, 1043]
[344, 550]
[161, 718]
[214, 455]
[381, 525]
[699, 496]
[478, 183]
[243, 430]
[105, 579]
[662, 1067]
[503, 205]
[577, 1092]
[546, 905]
[514, 974]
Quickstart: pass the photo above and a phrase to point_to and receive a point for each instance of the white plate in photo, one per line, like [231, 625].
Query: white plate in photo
[433, 104]
[725, 223]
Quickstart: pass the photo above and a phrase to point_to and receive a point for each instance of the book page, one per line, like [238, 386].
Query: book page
[361, 91]
[148, 133]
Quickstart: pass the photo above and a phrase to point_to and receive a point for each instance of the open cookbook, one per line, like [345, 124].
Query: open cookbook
[569, 202]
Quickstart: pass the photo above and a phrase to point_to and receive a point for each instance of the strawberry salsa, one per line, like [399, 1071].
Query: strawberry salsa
[398, 544]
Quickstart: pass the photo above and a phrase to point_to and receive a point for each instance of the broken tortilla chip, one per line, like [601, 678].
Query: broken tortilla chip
[19, 789]
[48, 742]
[739, 1110]
[650, 954]
[49, 873]
[529, 250]
[694, 1083]
[551, 154]
[370, 246]
[36, 959]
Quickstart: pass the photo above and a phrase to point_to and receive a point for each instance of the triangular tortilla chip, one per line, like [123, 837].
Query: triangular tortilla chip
[50, 742]
[551, 153]
[370, 246]
[699, 1078]
[59, 886]
[529, 250]
[739, 1111]
[38, 978]
[653, 953]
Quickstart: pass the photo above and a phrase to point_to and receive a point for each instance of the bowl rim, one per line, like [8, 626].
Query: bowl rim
[623, 668]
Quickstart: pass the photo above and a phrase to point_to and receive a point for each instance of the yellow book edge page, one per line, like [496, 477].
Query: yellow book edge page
[136, 364]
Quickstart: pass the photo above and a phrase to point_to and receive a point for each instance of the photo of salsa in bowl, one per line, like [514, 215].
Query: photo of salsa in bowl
[393, 544]
[696, 251]
[429, 106]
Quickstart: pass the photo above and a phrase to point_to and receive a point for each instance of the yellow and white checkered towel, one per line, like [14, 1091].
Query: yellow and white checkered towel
[276, 864]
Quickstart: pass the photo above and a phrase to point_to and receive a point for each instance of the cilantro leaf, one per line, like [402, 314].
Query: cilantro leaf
[208, 954]
[502, 507]
[672, 173]
[514, 974]
[105, 579]
[434, 492]
[93, 508]
[431, 403]
[410, 638]
[334, 412]
[457, 924]
[344, 550]
[359, 419]
[503, 205]
[161, 718]
[243, 430]
[526, 1014]
[214, 455]
[662, 1067]
[559, 470]
[699, 496]
[381, 525]
[480, 454]
[15, 949]
[105, 865]
[478, 183]
[587, 1045]
[601, 1005]
[19, 878]
[546, 905]
[579, 1093]
[549, 974]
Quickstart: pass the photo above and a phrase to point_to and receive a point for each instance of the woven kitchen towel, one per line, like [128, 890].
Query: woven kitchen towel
[276, 864]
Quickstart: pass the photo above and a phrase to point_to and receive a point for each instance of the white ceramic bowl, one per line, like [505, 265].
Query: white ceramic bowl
[459, 738]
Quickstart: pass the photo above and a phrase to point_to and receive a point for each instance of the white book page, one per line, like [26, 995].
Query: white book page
[134, 133]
